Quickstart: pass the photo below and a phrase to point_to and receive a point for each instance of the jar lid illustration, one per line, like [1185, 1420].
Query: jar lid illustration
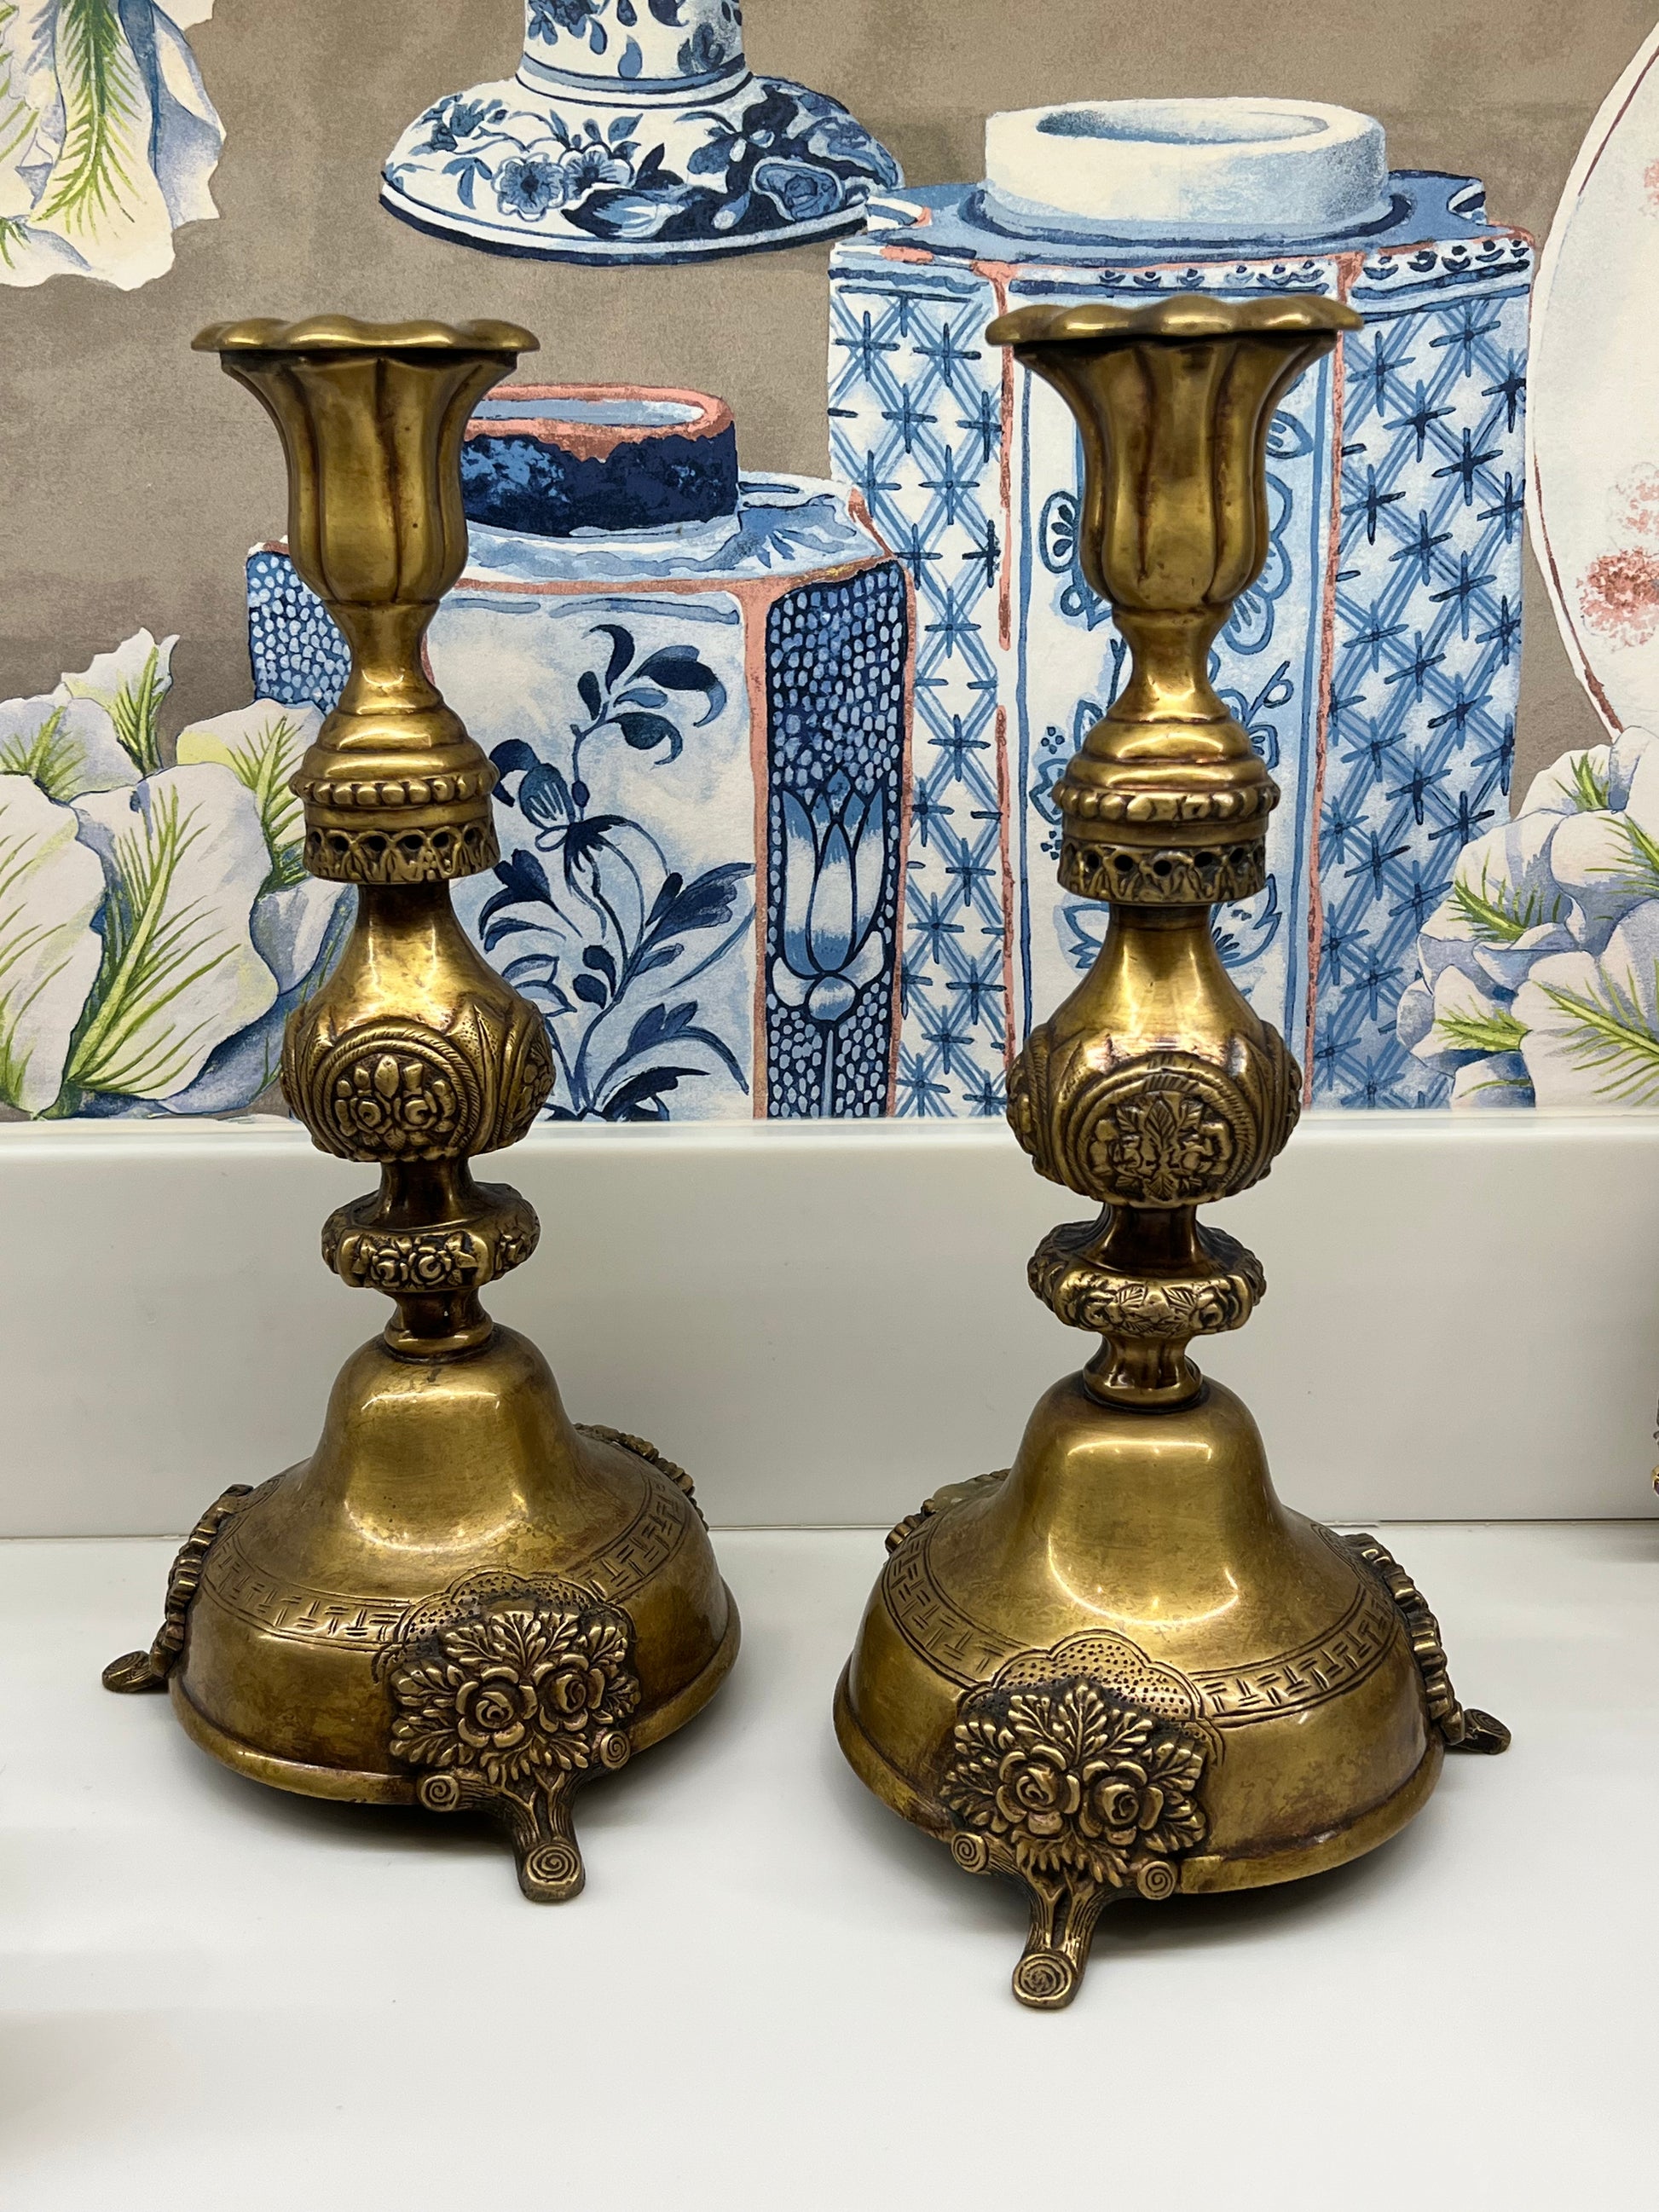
[1188, 169]
[551, 459]
[634, 130]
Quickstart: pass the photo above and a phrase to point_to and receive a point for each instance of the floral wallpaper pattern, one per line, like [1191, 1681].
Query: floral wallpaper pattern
[108, 138]
[156, 924]
[1539, 980]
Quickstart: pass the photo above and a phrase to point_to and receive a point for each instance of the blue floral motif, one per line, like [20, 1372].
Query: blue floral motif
[840, 137]
[705, 50]
[836, 711]
[586, 168]
[802, 190]
[528, 185]
[835, 866]
[456, 117]
[549, 17]
[609, 926]
[750, 163]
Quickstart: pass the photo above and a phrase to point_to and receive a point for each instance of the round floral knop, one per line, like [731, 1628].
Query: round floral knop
[388, 1100]
[1067, 1779]
[1165, 1146]
[530, 1691]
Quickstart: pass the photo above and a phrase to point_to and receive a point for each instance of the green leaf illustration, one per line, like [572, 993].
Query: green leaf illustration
[48, 755]
[1498, 1031]
[1637, 873]
[95, 173]
[184, 857]
[262, 746]
[1497, 913]
[18, 112]
[130, 685]
[67, 746]
[1589, 788]
[1608, 1032]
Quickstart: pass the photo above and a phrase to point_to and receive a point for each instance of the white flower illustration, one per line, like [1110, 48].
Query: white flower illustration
[51, 887]
[1539, 971]
[157, 924]
[184, 857]
[107, 137]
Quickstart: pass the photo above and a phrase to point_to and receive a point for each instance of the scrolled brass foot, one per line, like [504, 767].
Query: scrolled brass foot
[1080, 1793]
[1481, 1733]
[1063, 1917]
[133, 1673]
[1462, 1727]
[538, 1822]
[509, 1694]
[137, 1672]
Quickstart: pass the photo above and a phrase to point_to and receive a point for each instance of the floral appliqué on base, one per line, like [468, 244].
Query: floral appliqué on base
[509, 1694]
[1081, 1795]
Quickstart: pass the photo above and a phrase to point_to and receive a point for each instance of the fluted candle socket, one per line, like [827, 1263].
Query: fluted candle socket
[371, 417]
[1173, 400]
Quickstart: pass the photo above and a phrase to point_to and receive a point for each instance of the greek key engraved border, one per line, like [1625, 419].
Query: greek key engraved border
[290, 1610]
[305, 1616]
[966, 1652]
[934, 1626]
[1328, 1664]
[651, 1538]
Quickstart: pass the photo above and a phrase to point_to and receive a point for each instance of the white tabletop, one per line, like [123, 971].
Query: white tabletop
[774, 1995]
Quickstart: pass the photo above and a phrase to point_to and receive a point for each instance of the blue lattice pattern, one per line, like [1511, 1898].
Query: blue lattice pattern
[1376, 665]
[1420, 731]
[917, 426]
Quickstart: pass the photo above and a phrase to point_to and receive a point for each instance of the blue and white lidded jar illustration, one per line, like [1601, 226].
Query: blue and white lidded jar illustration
[695, 687]
[1375, 664]
[634, 130]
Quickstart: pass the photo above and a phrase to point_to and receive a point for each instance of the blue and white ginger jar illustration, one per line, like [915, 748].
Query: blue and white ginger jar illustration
[694, 686]
[1375, 664]
[634, 130]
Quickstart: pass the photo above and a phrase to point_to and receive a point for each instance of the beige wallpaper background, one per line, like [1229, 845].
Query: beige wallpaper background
[135, 475]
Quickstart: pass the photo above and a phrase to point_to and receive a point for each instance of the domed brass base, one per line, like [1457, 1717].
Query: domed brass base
[459, 1601]
[1124, 1667]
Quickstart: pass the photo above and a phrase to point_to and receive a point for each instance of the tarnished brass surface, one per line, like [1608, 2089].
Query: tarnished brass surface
[460, 1600]
[1122, 1667]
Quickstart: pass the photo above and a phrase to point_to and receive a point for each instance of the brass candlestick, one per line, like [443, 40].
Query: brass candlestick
[459, 1600]
[1122, 1667]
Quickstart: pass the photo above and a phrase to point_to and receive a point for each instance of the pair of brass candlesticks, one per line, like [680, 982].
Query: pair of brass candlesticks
[1121, 1668]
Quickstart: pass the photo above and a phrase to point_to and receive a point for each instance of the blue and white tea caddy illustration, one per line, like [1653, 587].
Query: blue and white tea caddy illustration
[1377, 663]
[634, 130]
[694, 688]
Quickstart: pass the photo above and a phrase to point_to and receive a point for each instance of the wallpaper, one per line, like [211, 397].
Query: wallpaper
[774, 625]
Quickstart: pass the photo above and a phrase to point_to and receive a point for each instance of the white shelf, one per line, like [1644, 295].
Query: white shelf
[825, 1320]
[775, 1997]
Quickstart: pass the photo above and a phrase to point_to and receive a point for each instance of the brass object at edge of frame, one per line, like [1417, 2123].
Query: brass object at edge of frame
[460, 1601]
[1122, 1667]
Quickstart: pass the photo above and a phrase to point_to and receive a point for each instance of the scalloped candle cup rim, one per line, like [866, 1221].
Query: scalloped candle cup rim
[592, 421]
[349, 334]
[1183, 316]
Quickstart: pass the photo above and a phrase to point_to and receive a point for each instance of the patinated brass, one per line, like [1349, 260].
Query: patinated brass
[1122, 1667]
[459, 1600]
